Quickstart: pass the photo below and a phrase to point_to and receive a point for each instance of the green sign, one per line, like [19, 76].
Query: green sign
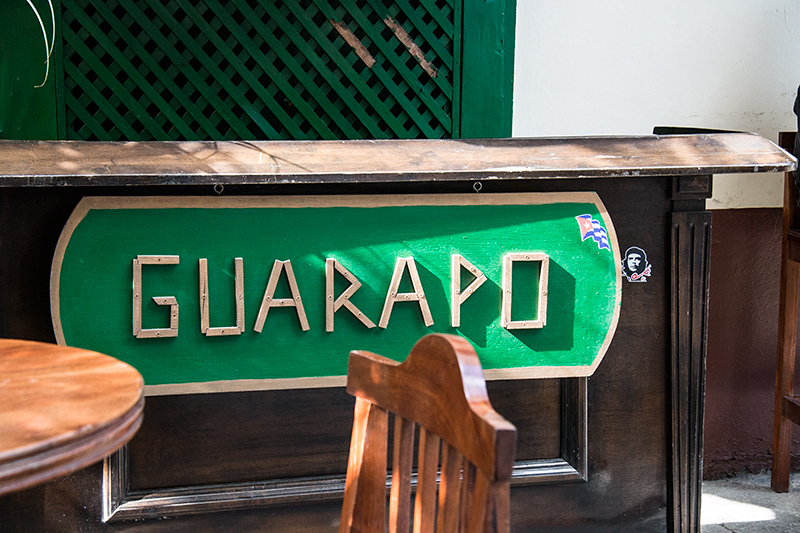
[241, 293]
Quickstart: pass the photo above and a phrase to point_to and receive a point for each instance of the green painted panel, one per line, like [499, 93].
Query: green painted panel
[487, 68]
[26, 111]
[92, 281]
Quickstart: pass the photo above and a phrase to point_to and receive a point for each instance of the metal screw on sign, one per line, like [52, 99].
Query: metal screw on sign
[218, 188]
[477, 186]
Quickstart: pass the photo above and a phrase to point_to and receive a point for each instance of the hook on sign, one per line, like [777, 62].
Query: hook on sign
[477, 186]
[218, 188]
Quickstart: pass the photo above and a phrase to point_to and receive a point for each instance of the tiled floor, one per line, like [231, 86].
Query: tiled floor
[747, 504]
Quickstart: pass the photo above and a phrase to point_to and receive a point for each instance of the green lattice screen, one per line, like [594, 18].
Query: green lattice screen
[259, 69]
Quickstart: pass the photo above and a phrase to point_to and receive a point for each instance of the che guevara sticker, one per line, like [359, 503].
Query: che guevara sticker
[635, 266]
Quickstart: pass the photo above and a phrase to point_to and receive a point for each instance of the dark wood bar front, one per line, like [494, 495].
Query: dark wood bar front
[603, 446]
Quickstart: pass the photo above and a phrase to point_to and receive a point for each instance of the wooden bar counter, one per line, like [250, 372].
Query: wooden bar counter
[614, 447]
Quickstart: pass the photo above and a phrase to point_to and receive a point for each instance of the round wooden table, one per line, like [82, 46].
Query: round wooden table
[61, 409]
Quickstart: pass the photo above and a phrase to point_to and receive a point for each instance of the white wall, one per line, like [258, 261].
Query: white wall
[620, 67]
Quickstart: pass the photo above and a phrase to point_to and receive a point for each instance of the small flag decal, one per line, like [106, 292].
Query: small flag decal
[591, 228]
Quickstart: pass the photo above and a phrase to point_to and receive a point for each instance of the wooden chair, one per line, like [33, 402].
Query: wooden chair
[787, 405]
[440, 388]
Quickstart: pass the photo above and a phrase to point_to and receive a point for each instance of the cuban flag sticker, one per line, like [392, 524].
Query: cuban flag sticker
[591, 228]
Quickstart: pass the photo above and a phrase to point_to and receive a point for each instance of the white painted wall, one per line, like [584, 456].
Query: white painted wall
[620, 67]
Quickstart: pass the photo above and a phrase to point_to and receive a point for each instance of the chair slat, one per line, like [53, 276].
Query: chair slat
[365, 486]
[499, 508]
[402, 459]
[477, 515]
[449, 488]
[427, 468]
[465, 496]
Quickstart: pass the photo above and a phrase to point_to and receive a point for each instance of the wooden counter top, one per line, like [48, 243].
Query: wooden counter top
[80, 163]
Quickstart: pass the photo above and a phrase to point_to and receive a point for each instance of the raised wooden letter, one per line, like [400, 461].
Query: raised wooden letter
[238, 329]
[331, 305]
[544, 271]
[268, 300]
[458, 296]
[393, 296]
[172, 330]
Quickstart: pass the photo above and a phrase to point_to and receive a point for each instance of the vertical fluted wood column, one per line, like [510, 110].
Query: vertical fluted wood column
[691, 239]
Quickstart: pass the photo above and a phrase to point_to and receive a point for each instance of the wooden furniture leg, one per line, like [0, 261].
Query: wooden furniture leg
[787, 407]
[784, 374]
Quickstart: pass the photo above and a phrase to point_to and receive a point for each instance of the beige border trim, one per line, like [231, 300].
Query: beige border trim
[243, 385]
[58, 259]
[245, 202]
[612, 240]
[356, 200]
[539, 372]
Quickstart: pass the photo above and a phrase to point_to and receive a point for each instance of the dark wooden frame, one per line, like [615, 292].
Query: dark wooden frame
[120, 504]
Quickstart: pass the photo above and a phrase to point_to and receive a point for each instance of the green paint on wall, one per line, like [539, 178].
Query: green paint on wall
[26, 112]
[94, 280]
[487, 73]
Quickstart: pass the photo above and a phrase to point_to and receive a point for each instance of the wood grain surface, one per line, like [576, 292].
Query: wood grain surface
[61, 409]
[440, 387]
[78, 163]
[444, 394]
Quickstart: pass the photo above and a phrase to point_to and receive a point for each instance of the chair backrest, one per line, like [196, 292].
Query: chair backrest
[439, 388]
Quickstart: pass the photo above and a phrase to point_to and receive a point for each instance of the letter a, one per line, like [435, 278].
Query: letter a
[269, 300]
[417, 296]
